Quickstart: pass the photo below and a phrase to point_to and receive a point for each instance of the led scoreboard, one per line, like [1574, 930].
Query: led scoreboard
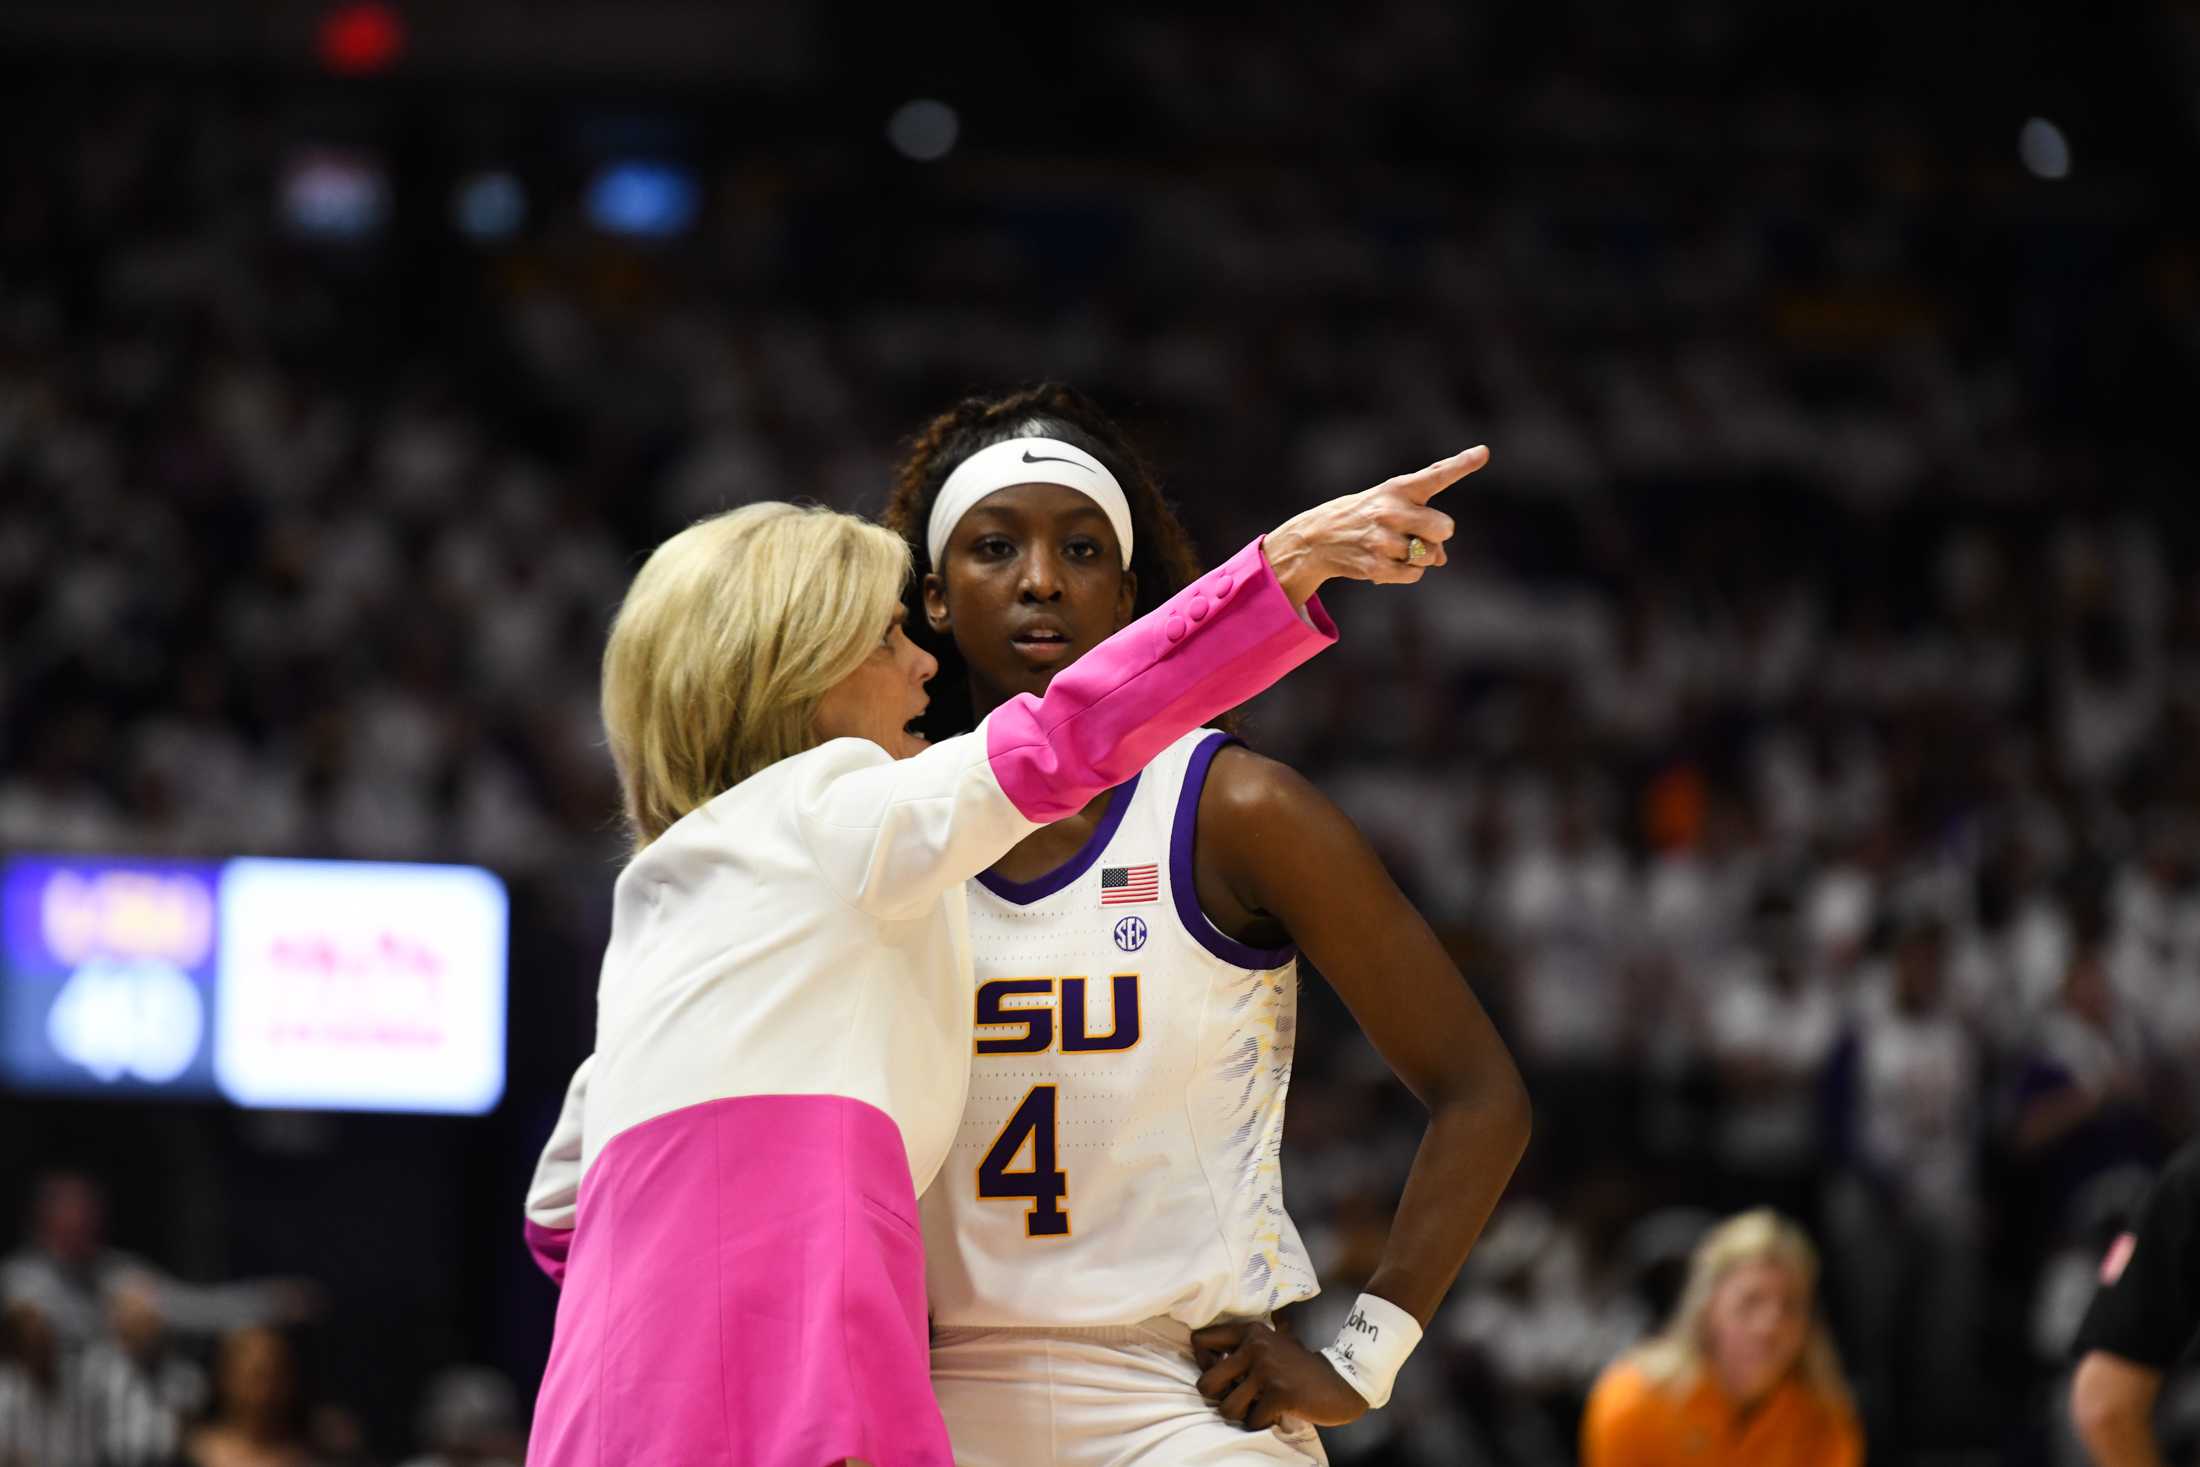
[344, 985]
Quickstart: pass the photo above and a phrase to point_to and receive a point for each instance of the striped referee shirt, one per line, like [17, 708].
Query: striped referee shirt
[138, 1408]
[41, 1428]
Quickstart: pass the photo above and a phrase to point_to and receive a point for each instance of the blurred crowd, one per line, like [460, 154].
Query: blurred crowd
[1801, 752]
[107, 1361]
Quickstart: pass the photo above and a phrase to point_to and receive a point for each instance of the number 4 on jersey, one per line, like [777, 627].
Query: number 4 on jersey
[1042, 1183]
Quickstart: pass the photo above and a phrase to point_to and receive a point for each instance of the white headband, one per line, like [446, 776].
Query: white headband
[1026, 461]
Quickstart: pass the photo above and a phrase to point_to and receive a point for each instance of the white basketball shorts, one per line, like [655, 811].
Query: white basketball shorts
[1121, 1397]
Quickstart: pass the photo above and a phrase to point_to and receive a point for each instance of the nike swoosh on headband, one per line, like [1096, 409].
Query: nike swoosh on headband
[997, 467]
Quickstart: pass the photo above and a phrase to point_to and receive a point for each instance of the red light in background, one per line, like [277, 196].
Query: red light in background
[361, 38]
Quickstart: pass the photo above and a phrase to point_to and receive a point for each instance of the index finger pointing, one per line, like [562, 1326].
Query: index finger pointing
[1441, 475]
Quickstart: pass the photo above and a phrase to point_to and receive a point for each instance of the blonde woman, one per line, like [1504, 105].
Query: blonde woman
[1743, 1374]
[782, 1033]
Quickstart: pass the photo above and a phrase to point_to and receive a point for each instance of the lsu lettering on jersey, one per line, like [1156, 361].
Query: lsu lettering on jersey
[1119, 1156]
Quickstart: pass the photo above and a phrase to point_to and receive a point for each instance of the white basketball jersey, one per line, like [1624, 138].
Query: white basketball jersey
[1120, 1151]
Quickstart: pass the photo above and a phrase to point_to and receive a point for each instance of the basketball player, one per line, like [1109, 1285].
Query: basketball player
[1108, 1238]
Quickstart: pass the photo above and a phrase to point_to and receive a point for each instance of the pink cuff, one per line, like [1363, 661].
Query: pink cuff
[1222, 639]
[549, 1247]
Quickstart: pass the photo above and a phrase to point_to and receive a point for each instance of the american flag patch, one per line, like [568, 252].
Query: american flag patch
[1122, 885]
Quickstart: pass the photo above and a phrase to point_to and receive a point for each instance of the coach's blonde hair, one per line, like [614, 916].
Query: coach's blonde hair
[732, 632]
[1675, 1357]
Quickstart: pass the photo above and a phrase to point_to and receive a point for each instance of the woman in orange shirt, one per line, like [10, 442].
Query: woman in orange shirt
[1743, 1374]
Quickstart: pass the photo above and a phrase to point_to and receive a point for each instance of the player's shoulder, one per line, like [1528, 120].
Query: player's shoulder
[1241, 781]
[1249, 797]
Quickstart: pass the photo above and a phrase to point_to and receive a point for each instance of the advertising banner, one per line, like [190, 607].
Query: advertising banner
[346, 985]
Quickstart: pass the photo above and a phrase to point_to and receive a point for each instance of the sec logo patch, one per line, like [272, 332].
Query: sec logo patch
[1130, 934]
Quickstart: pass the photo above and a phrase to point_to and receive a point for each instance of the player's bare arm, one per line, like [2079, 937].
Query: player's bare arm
[1326, 887]
[2112, 1404]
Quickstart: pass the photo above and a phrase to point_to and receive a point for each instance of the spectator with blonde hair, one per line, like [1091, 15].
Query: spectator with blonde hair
[1744, 1372]
[782, 1036]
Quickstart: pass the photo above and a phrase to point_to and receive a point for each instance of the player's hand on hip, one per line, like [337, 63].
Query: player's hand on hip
[1389, 534]
[1257, 1377]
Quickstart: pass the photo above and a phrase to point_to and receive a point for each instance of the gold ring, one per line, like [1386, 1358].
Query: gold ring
[1416, 552]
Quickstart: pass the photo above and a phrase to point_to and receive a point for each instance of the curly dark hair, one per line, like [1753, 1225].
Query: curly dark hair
[1162, 554]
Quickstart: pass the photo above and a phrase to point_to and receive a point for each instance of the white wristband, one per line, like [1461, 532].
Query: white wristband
[1372, 1345]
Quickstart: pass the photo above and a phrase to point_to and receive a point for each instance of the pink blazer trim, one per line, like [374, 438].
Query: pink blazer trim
[1222, 639]
[549, 1247]
[745, 1286]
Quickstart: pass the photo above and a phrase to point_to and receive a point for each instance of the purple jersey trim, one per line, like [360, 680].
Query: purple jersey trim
[1024, 893]
[1183, 886]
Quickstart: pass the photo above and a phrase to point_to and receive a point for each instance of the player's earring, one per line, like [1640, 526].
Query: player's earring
[935, 617]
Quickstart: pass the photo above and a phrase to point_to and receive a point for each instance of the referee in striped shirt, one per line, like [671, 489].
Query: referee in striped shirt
[139, 1392]
[44, 1418]
[123, 1401]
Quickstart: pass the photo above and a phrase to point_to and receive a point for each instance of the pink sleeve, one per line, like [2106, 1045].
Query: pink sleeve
[1222, 639]
[549, 1247]
[891, 835]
